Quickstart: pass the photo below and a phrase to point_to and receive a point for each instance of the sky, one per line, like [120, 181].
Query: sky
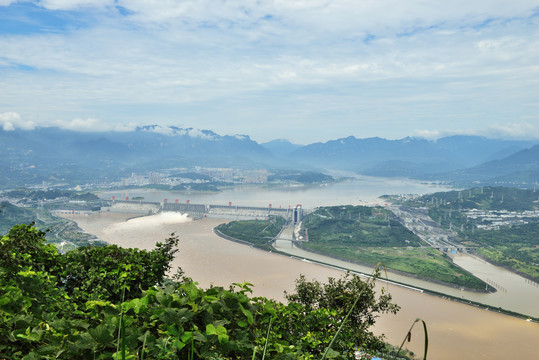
[306, 71]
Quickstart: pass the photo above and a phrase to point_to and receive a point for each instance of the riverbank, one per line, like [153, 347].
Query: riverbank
[508, 268]
[386, 272]
[397, 272]
[408, 286]
[456, 331]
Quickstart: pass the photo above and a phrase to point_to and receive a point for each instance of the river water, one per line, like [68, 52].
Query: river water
[358, 191]
[456, 331]
[515, 292]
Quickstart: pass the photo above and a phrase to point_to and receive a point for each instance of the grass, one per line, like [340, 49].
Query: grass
[409, 338]
[496, 256]
[427, 263]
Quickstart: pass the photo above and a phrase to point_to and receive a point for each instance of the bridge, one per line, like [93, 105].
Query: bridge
[198, 211]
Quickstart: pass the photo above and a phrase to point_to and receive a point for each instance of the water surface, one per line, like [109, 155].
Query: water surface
[456, 331]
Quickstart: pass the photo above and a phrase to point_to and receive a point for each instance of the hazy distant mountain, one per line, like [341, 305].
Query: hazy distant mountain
[473, 150]
[280, 147]
[53, 154]
[58, 155]
[519, 168]
[411, 157]
[399, 168]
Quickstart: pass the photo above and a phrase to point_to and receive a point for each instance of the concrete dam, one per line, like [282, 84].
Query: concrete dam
[198, 211]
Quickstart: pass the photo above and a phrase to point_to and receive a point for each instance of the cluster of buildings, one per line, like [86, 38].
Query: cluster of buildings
[258, 176]
[494, 219]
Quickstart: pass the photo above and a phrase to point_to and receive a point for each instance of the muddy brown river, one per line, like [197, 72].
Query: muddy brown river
[456, 331]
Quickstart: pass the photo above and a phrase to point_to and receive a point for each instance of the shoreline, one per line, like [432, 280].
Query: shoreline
[397, 272]
[394, 282]
[508, 268]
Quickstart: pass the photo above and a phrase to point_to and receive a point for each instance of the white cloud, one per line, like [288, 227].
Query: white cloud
[11, 121]
[360, 65]
[195, 133]
[510, 130]
[307, 19]
[74, 4]
[92, 125]
[428, 134]
[164, 130]
[521, 130]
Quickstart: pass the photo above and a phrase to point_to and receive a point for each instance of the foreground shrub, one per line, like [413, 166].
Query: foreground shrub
[114, 303]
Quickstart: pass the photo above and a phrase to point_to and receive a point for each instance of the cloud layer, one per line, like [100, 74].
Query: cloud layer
[11, 121]
[316, 69]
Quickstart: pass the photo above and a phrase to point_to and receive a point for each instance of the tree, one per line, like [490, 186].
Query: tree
[98, 303]
[334, 299]
[113, 273]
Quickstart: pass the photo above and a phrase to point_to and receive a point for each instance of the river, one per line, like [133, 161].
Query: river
[515, 294]
[358, 191]
[456, 331]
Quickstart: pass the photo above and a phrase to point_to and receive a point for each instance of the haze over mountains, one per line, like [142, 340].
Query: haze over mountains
[55, 155]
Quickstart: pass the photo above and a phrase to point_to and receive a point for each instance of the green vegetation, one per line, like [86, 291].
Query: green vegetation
[64, 234]
[207, 186]
[11, 215]
[425, 262]
[513, 245]
[304, 177]
[358, 226]
[35, 195]
[362, 234]
[113, 303]
[257, 232]
[516, 247]
[485, 198]
[369, 235]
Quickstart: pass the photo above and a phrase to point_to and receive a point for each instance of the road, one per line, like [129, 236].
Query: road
[421, 224]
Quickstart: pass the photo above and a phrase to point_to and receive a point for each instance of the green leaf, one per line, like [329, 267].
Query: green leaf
[223, 338]
[241, 323]
[187, 337]
[332, 354]
[210, 330]
[248, 314]
[101, 334]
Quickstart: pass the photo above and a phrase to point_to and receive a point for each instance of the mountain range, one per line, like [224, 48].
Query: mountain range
[57, 155]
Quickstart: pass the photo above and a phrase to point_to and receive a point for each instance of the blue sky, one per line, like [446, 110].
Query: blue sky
[306, 71]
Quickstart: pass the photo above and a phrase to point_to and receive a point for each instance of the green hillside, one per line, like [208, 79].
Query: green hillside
[503, 228]
[370, 235]
[11, 215]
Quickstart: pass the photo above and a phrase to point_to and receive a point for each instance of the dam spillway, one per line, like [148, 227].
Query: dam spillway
[198, 211]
